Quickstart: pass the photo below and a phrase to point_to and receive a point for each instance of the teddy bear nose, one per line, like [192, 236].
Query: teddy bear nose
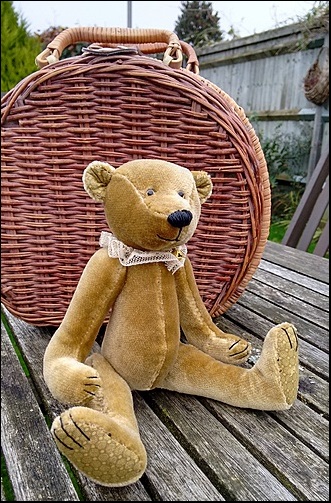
[180, 218]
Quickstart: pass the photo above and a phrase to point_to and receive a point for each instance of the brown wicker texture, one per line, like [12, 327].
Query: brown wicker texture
[115, 108]
[316, 82]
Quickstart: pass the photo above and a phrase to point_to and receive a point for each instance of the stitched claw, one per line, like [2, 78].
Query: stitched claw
[228, 349]
[68, 433]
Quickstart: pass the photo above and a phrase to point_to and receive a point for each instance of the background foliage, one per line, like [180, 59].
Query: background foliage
[18, 48]
[198, 25]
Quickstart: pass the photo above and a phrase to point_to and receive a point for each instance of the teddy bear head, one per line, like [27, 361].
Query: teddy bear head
[149, 204]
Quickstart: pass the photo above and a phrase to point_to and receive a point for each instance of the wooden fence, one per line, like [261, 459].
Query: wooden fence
[264, 73]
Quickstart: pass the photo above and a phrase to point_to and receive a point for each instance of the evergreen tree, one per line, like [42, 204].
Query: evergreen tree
[197, 24]
[18, 48]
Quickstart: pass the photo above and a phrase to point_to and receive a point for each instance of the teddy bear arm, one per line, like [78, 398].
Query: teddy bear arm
[97, 289]
[198, 326]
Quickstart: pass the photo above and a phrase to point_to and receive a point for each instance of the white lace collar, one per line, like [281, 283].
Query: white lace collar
[127, 256]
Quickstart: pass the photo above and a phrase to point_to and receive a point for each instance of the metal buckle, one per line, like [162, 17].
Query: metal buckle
[106, 51]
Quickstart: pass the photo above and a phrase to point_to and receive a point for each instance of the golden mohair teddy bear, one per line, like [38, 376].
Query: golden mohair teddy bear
[143, 277]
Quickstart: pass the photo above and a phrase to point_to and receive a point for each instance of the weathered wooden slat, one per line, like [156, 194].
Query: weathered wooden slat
[297, 260]
[313, 358]
[253, 305]
[34, 465]
[271, 310]
[310, 283]
[95, 492]
[322, 246]
[218, 450]
[268, 274]
[314, 391]
[311, 207]
[302, 471]
[284, 300]
[315, 219]
[181, 479]
[308, 426]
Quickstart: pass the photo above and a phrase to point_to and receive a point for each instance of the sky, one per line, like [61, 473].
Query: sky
[246, 18]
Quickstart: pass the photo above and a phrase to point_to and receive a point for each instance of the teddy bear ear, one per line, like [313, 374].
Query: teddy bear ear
[96, 177]
[203, 184]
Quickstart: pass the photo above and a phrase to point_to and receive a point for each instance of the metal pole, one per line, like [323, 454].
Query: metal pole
[129, 15]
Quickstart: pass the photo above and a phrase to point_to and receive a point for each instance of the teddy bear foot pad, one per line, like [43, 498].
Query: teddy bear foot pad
[279, 365]
[106, 451]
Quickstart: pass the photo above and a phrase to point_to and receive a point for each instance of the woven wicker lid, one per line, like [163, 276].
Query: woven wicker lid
[116, 108]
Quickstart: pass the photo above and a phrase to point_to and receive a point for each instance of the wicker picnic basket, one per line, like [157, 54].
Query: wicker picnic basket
[115, 102]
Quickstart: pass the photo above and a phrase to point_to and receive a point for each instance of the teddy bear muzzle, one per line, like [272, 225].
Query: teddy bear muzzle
[180, 218]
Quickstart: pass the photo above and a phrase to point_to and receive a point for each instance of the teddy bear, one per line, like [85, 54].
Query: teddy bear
[141, 278]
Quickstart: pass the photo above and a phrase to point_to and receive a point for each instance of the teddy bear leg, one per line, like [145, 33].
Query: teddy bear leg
[272, 384]
[102, 440]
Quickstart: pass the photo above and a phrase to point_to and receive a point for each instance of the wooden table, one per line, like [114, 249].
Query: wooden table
[199, 450]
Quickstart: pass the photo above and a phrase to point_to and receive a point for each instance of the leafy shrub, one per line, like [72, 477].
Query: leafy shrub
[287, 160]
[286, 155]
[18, 48]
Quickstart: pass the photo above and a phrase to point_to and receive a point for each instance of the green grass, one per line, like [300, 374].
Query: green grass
[277, 232]
[5, 480]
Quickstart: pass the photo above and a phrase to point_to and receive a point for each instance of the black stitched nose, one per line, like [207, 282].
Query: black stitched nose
[180, 218]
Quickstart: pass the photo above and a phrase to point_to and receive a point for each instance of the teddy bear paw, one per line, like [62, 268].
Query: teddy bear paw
[106, 451]
[72, 382]
[228, 349]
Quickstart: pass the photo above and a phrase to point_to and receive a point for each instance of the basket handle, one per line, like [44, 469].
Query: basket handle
[143, 37]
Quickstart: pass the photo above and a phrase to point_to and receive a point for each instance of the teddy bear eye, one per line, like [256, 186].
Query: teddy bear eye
[181, 193]
[150, 192]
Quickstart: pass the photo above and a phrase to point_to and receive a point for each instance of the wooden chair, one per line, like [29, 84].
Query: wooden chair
[310, 211]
